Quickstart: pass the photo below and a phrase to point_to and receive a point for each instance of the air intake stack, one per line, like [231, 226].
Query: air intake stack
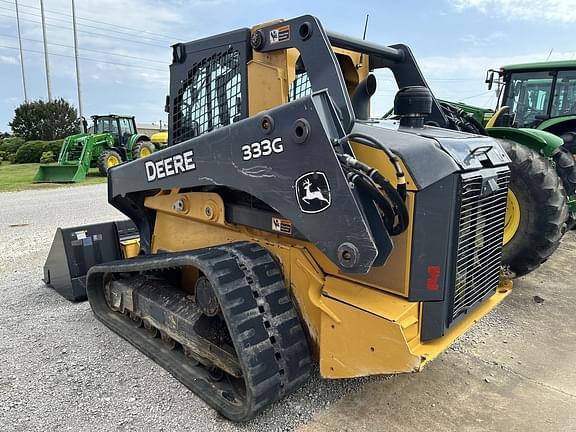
[412, 105]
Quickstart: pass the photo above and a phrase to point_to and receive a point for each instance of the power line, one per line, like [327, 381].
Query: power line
[67, 21]
[475, 96]
[87, 49]
[88, 59]
[139, 31]
[81, 31]
[87, 32]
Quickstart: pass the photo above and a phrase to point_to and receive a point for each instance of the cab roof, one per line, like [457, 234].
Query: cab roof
[541, 66]
[111, 115]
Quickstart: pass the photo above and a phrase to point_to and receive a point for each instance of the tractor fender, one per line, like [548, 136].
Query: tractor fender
[553, 123]
[133, 140]
[538, 140]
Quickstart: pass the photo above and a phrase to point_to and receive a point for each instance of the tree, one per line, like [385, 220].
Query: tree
[39, 120]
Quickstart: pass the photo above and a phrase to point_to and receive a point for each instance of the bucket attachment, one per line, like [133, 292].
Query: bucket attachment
[56, 173]
[75, 250]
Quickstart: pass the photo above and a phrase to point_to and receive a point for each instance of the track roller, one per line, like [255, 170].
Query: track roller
[234, 338]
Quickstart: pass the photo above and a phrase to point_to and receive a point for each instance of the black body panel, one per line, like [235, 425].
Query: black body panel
[471, 251]
[218, 159]
[432, 240]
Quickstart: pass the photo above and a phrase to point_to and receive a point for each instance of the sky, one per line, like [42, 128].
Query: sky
[125, 44]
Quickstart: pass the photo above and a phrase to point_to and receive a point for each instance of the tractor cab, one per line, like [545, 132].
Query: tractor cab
[120, 127]
[538, 95]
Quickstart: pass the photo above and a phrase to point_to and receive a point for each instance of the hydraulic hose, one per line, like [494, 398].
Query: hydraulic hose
[374, 143]
[365, 186]
[387, 198]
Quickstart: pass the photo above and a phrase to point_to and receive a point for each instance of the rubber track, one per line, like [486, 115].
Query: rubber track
[544, 222]
[269, 339]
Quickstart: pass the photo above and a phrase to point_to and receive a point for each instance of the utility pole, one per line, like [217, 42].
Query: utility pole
[21, 54]
[76, 58]
[45, 51]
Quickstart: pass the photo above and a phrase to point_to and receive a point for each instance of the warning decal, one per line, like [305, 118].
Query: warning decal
[280, 34]
[282, 225]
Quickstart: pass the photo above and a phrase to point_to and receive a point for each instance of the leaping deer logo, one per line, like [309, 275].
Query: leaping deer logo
[313, 192]
[311, 195]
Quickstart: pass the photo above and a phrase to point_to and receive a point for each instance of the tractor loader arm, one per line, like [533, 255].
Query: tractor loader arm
[269, 156]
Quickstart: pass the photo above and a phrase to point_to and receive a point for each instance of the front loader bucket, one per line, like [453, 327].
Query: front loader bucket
[55, 173]
[75, 250]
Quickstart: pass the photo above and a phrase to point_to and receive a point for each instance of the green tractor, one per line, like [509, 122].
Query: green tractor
[536, 119]
[539, 96]
[114, 139]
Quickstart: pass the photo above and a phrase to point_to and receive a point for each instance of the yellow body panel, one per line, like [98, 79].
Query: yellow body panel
[159, 137]
[130, 248]
[354, 329]
[378, 333]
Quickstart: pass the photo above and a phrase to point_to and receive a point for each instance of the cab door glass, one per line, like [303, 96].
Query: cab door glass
[126, 129]
[564, 94]
[529, 96]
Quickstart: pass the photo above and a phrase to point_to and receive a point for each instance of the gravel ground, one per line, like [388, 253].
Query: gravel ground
[60, 369]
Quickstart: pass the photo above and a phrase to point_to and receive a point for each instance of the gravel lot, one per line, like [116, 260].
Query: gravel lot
[60, 369]
[63, 370]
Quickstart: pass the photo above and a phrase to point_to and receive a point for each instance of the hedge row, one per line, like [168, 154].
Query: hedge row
[10, 145]
[16, 150]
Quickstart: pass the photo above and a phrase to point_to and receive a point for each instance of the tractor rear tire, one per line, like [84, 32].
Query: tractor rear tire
[108, 159]
[566, 169]
[542, 206]
[142, 149]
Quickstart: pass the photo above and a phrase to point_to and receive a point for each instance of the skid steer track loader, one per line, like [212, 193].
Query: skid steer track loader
[282, 226]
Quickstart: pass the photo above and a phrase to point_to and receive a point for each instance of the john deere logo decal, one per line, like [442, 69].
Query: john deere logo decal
[313, 192]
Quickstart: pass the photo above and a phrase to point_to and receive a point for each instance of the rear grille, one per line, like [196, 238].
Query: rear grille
[480, 232]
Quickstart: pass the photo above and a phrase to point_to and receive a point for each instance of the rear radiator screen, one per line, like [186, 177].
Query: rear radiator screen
[480, 233]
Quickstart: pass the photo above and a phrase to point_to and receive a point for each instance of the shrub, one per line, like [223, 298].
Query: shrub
[10, 145]
[45, 120]
[53, 146]
[4, 156]
[47, 157]
[31, 152]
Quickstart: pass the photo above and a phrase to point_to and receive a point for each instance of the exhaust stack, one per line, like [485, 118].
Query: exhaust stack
[361, 97]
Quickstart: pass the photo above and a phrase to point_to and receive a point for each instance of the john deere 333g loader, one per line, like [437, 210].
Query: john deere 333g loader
[283, 227]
